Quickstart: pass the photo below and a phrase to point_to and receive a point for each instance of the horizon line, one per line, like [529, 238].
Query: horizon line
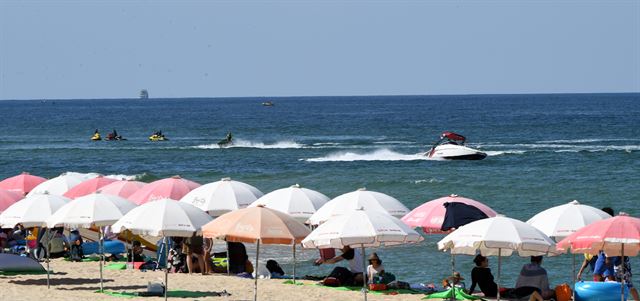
[326, 96]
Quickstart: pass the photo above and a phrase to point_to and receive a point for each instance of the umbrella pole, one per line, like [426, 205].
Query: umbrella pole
[294, 262]
[228, 261]
[453, 272]
[100, 237]
[364, 275]
[622, 284]
[47, 250]
[573, 272]
[255, 280]
[499, 266]
[166, 266]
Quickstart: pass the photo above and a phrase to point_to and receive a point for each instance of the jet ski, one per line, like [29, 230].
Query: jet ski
[96, 137]
[226, 142]
[155, 137]
[113, 136]
[451, 147]
[267, 104]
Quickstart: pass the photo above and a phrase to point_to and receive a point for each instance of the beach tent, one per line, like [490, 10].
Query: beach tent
[16, 264]
[361, 198]
[299, 203]
[498, 236]
[163, 218]
[361, 229]
[258, 225]
[223, 196]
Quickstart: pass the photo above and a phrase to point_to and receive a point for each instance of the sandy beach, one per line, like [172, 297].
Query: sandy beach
[80, 281]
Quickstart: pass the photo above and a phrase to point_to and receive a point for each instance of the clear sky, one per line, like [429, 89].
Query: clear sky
[112, 49]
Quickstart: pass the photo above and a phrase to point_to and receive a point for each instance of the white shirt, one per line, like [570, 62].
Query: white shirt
[372, 272]
[355, 264]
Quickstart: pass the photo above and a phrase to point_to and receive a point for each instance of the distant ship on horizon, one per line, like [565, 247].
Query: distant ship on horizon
[144, 94]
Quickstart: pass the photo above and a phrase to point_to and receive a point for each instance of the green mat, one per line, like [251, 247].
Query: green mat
[172, 294]
[460, 295]
[116, 266]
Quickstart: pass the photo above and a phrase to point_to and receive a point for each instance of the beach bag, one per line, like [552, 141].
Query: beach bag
[377, 287]
[563, 292]
[384, 278]
[341, 275]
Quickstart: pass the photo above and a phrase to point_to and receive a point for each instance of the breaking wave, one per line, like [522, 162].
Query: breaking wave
[378, 155]
[239, 143]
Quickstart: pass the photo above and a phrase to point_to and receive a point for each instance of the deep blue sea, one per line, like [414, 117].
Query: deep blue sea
[544, 150]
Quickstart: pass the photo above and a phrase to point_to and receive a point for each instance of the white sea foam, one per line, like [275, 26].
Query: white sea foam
[124, 177]
[378, 155]
[504, 152]
[586, 140]
[239, 143]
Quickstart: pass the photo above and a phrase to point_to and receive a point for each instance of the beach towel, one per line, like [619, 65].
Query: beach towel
[459, 294]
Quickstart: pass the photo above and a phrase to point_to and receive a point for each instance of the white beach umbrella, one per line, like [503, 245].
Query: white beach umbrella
[223, 196]
[164, 218]
[58, 185]
[95, 209]
[32, 211]
[360, 229]
[361, 198]
[300, 203]
[498, 236]
[561, 221]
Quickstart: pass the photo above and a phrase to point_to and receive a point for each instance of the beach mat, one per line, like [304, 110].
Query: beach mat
[459, 295]
[116, 266]
[170, 294]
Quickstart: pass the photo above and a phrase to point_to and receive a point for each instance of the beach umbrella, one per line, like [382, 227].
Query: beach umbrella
[88, 187]
[300, 203]
[123, 188]
[361, 198]
[58, 185]
[430, 215]
[22, 183]
[32, 211]
[361, 229]
[173, 188]
[259, 225]
[163, 218]
[560, 221]
[91, 210]
[616, 236]
[498, 236]
[220, 197]
[8, 198]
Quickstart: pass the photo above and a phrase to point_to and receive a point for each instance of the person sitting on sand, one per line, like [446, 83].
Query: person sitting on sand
[353, 257]
[455, 280]
[374, 268]
[274, 269]
[533, 281]
[238, 260]
[136, 252]
[482, 277]
[75, 240]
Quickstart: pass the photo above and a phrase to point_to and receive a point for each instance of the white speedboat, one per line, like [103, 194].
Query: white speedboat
[451, 147]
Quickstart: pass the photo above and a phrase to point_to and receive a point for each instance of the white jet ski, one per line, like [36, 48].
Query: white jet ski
[451, 147]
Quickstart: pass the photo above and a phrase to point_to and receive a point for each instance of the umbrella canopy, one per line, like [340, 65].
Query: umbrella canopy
[460, 214]
[223, 196]
[361, 228]
[361, 198]
[22, 183]
[490, 234]
[561, 221]
[8, 198]
[83, 176]
[608, 235]
[164, 217]
[91, 210]
[430, 215]
[88, 187]
[32, 211]
[123, 188]
[256, 223]
[300, 203]
[58, 185]
[173, 188]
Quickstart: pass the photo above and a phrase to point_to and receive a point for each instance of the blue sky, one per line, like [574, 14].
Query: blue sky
[112, 49]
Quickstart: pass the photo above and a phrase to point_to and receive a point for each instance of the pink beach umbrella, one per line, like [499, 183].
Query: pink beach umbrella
[173, 188]
[616, 235]
[88, 187]
[122, 188]
[22, 183]
[8, 198]
[430, 215]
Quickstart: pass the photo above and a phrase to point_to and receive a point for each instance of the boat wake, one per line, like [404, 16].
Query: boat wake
[239, 143]
[378, 155]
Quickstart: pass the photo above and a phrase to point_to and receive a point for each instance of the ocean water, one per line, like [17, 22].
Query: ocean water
[544, 150]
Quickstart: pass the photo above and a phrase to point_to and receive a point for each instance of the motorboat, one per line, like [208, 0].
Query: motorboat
[267, 104]
[451, 147]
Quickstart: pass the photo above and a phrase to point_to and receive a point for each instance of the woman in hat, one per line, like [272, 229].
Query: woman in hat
[375, 267]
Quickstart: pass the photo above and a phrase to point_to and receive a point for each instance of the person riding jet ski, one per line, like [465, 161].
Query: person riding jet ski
[96, 136]
[114, 136]
[227, 141]
[157, 136]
